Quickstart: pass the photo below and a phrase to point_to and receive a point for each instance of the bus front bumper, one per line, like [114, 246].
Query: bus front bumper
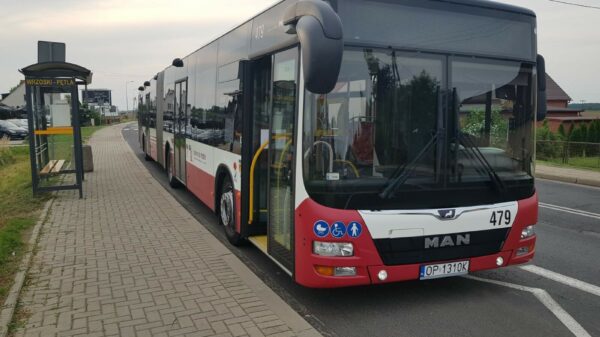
[371, 274]
[317, 271]
[412, 271]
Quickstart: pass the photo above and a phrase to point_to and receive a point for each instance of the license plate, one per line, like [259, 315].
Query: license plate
[432, 271]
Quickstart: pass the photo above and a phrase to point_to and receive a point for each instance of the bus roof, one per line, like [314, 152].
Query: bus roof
[491, 5]
[485, 4]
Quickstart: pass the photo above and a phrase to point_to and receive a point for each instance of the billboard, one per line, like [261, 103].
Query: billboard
[97, 96]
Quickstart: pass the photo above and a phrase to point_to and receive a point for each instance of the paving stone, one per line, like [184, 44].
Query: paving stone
[128, 260]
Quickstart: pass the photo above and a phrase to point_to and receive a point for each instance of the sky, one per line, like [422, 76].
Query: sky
[126, 42]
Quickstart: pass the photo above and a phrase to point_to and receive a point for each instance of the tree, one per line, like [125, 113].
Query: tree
[561, 131]
[593, 136]
[570, 131]
[87, 114]
[578, 135]
[474, 124]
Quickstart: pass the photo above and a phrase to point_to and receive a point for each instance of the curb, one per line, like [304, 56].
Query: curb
[8, 309]
[566, 179]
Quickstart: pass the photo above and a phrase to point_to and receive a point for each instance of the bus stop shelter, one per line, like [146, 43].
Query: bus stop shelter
[55, 143]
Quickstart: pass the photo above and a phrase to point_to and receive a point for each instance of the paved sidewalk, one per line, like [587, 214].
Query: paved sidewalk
[128, 260]
[569, 175]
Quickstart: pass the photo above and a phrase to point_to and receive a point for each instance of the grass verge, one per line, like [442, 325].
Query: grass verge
[18, 208]
[18, 213]
[587, 163]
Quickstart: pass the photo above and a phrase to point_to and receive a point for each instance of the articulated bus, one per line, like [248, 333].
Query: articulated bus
[361, 141]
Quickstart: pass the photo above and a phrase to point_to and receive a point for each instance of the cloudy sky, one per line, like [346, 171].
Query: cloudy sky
[130, 40]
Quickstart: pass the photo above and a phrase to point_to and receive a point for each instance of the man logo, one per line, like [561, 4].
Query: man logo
[447, 241]
[447, 214]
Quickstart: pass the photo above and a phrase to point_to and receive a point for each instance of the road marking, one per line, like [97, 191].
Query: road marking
[547, 300]
[570, 210]
[560, 278]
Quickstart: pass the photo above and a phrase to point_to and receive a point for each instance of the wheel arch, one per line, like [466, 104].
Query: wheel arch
[222, 172]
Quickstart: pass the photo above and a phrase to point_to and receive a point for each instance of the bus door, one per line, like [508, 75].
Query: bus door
[280, 156]
[256, 158]
[181, 127]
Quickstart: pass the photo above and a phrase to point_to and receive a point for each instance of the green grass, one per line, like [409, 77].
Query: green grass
[88, 131]
[18, 206]
[587, 163]
[6, 155]
[12, 248]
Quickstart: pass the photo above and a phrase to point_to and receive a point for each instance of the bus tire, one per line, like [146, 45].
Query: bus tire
[173, 182]
[226, 212]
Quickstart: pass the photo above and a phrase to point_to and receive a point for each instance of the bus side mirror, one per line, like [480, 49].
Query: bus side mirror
[542, 108]
[319, 30]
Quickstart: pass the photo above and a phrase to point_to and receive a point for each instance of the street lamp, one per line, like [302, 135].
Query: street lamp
[127, 96]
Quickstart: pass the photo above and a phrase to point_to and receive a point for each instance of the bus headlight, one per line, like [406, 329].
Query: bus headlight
[333, 248]
[527, 232]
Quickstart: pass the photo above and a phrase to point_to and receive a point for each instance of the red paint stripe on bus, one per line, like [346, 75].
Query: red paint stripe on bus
[201, 184]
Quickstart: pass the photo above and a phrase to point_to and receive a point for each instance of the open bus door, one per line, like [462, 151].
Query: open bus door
[281, 157]
[271, 210]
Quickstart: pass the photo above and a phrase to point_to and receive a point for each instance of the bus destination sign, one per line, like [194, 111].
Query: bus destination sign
[49, 82]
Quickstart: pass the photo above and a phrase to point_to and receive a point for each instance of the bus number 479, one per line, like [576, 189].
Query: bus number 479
[500, 218]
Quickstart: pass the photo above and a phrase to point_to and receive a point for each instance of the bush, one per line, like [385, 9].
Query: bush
[579, 135]
[593, 136]
[561, 130]
[548, 143]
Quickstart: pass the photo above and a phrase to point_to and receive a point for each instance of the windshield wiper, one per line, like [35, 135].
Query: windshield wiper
[404, 172]
[475, 152]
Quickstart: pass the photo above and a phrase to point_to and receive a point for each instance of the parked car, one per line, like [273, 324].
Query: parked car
[12, 130]
[20, 122]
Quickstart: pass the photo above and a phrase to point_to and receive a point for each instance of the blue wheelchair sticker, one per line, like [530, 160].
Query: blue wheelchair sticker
[354, 229]
[338, 229]
[321, 228]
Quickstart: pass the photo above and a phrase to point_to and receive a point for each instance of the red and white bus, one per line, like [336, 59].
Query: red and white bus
[361, 141]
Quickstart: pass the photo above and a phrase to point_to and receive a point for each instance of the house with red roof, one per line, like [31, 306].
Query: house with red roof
[558, 108]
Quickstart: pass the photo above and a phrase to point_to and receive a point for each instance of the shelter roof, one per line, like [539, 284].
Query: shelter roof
[58, 69]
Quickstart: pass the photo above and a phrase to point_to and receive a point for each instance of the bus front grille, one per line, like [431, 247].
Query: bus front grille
[440, 247]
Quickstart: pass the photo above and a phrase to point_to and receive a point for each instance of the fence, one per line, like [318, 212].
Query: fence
[569, 153]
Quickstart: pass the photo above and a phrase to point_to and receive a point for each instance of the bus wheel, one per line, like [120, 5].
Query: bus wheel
[227, 212]
[173, 182]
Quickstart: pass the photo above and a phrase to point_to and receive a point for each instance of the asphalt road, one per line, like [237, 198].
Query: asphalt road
[511, 301]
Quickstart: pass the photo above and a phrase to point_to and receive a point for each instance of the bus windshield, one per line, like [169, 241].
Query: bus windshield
[414, 130]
